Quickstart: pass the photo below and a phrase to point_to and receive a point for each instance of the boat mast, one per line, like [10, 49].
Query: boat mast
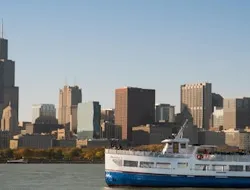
[180, 133]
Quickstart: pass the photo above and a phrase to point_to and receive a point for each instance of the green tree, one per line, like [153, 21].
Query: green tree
[27, 153]
[58, 154]
[8, 153]
[99, 154]
[75, 152]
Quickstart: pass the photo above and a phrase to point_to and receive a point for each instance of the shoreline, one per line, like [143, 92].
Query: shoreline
[54, 162]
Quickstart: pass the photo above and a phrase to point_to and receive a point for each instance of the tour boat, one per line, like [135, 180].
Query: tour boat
[178, 165]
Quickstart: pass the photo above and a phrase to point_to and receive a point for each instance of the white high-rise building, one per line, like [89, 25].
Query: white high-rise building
[39, 110]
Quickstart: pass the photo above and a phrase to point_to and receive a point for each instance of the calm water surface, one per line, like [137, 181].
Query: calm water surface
[56, 176]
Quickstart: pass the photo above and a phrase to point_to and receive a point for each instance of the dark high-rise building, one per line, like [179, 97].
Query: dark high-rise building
[1, 86]
[133, 107]
[3, 48]
[236, 113]
[217, 100]
[8, 91]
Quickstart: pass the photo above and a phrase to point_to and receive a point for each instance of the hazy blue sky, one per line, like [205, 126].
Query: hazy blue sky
[105, 45]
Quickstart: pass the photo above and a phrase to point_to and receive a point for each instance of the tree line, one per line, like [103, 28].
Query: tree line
[54, 154]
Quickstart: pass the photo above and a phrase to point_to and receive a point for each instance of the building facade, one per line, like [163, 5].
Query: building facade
[238, 138]
[133, 107]
[89, 118]
[5, 137]
[39, 110]
[236, 113]
[108, 115]
[9, 120]
[164, 112]
[69, 98]
[8, 91]
[198, 99]
[31, 141]
[218, 117]
[110, 130]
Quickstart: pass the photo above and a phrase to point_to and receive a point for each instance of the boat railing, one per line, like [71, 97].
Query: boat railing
[226, 158]
[145, 153]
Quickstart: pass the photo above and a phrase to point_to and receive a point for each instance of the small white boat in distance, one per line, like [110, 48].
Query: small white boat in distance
[178, 165]
[20, 161]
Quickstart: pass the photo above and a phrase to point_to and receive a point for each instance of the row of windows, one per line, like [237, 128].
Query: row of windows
[222, 168]
[129, 163]
[204, 167]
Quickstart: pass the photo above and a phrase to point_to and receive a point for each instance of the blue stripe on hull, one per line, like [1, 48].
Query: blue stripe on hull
[152, 180]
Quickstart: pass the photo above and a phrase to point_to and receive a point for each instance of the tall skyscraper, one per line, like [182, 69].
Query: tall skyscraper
[198, 99]
[89, 118]
[133, 107]
[39, 110]
[69, 97]
[8, 91]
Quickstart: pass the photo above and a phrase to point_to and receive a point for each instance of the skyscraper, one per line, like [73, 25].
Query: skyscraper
[69, 97]
[8, 91]
[133, 107]
[198, 99]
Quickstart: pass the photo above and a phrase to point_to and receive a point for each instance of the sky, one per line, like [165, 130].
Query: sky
[103, 45]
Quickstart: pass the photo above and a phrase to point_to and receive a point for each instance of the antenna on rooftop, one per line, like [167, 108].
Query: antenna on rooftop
[74, 81]
[2, 29]
[66, 81]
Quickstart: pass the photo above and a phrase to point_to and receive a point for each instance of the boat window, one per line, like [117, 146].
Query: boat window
[163, 165]
[218, 168]
[118, 162]
[182, 165]
[235, 168]
[175, 147]
[170, 144]
[130, 163]
[202, 167]
[183, 145]
[248, 168]
[146, 164]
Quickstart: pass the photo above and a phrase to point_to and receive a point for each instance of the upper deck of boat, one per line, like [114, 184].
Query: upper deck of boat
[205, 157]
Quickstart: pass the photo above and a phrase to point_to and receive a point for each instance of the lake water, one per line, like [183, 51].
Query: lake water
[56, 177]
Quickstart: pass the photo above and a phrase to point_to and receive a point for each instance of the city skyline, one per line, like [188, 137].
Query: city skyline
[101, 47]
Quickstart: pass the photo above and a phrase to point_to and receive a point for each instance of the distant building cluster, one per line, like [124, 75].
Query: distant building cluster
[136, 119]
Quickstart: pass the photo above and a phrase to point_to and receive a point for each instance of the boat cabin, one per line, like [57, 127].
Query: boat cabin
[175, 146]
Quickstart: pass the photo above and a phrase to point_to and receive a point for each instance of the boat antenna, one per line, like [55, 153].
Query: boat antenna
[180, 133]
